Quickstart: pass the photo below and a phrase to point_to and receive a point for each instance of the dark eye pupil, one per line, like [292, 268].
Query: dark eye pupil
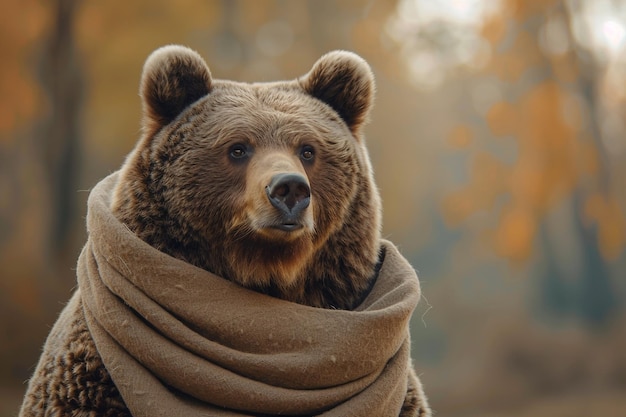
[307, 153]
[238, 152]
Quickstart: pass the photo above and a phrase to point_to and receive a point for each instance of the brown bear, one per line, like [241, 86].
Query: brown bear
[258, 205]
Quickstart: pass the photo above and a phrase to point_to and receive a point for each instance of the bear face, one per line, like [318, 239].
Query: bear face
[268, 185]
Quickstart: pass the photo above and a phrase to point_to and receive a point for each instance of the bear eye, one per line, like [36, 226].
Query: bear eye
[307, 153]
[238, 151]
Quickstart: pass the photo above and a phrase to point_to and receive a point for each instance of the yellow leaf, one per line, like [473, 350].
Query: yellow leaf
[515, 234]
[502, 119]
[460, 137]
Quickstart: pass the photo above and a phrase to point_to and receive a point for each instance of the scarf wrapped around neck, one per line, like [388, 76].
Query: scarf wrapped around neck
[178, 340]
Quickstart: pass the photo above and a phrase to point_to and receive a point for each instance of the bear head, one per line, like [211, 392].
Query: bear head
[268, 185]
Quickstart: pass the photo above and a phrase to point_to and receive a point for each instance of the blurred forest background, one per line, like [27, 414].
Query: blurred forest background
[499, 144]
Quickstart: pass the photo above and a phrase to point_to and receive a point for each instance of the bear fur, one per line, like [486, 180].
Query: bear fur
[183, 192]
[266, 184]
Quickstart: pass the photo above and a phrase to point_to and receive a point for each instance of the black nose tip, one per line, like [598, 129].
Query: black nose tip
[290, 193]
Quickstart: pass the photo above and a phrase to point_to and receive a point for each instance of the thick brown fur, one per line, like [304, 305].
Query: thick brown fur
[195, 188]
[182, 191]
[74, 382]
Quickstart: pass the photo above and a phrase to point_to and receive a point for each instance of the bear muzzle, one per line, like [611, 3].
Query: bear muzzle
[290, 194]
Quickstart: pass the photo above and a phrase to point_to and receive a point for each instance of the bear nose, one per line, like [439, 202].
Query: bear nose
[289, 193]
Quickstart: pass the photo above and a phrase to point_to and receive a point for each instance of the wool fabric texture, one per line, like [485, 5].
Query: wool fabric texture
[178, 340]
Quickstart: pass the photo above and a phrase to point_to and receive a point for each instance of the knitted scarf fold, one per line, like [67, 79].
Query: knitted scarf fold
[178, 340]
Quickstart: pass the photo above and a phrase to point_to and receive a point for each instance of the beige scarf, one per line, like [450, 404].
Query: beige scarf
[180, 341]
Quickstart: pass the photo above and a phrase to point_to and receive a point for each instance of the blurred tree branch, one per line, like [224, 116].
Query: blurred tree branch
[61, 78]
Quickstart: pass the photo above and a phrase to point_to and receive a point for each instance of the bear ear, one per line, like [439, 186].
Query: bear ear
[173, 78]
[345, 82]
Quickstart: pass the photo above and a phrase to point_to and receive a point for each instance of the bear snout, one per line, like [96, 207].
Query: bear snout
[290, 194]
